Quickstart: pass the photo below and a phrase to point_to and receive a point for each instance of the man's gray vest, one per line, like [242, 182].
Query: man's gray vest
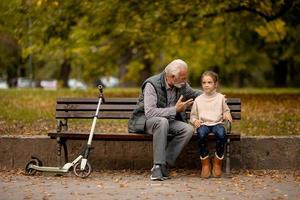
[136, 123]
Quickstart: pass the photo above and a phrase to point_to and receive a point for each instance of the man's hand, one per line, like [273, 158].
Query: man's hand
[197, 123]
[182, 105]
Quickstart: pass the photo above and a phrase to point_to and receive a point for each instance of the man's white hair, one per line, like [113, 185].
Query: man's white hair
[174, 67]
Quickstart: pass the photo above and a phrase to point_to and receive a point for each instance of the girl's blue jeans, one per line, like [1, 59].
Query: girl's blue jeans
[202, 134]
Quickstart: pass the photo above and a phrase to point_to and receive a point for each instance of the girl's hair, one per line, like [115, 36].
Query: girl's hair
[174, 67]
[212, 74]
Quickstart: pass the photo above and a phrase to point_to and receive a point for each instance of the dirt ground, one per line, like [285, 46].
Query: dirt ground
[125, 184]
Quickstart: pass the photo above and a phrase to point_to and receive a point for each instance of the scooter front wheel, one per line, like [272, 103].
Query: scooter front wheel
[82, 173]
[30, 171]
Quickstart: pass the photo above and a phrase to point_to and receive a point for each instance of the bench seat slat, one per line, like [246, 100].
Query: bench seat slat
[122, 137]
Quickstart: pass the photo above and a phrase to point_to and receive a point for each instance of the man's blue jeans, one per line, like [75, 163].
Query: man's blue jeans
[202, 134]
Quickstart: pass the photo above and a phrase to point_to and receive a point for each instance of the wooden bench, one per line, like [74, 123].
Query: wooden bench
[114, 108]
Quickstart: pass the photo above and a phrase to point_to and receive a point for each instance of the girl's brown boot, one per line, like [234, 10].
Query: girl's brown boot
[206, 167]
[217, 166]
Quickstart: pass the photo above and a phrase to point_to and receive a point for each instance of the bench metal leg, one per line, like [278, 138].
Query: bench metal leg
[64, 144]
[228, 157]
[61, 124]
[61, 143]
[58, 151]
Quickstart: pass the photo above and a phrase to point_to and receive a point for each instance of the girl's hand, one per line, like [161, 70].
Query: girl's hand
[197, 123]
[227, 116]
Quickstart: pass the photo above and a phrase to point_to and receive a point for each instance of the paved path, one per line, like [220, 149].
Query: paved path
[185, 184]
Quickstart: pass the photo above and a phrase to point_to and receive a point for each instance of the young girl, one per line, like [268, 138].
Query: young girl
[207, 115]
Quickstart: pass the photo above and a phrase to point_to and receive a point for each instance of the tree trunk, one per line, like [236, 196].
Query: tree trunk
[241, 79]
[10, 58]
[122, 63]
[294, 78]
[147, 71]
[280, 73]
[65, 72]
[12, 75]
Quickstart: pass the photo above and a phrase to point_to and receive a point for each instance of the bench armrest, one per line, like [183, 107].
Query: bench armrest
[227, 125]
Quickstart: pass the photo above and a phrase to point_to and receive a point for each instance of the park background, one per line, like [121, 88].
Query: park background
[253, 45]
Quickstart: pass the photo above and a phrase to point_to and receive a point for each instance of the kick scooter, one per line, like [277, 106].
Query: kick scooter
[81, 167]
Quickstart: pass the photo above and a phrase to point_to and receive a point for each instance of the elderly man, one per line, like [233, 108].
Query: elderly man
[161, 111]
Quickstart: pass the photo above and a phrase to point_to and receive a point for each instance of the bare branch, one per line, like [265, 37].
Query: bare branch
[285, 8]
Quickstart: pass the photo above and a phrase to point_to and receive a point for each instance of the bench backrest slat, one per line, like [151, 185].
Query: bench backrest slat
[92, 107]
[114, 108]
[118, 100]
[110, 107]
[90, 114]
[112, 115]
[132, 101]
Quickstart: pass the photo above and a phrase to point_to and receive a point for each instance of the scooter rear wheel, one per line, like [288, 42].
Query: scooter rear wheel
[28, 170]
[82, 173]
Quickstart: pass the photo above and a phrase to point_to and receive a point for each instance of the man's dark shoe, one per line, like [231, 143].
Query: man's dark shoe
[156, 174]
[165, 172]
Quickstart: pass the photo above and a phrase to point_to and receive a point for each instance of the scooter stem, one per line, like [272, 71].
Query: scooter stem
[95, 116]
[85, 153]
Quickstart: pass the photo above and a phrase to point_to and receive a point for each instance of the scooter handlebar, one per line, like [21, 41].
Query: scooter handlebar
[100, 87]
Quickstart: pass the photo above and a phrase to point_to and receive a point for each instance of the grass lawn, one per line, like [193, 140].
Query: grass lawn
[31, 111]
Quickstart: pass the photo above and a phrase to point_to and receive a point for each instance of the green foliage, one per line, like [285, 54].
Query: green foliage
[274, 31]
[250, 43]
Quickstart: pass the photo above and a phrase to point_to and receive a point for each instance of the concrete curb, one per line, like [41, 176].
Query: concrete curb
[280, 152]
